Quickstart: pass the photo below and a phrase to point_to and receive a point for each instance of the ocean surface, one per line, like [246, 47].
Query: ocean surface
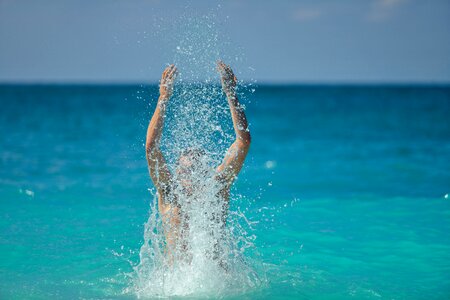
[346, 188]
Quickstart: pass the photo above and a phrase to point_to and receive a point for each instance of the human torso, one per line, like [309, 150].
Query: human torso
[176, 221]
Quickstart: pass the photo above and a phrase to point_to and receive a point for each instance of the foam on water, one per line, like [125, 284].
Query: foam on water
[214, 259]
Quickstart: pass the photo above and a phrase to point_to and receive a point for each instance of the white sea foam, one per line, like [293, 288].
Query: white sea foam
[214, 260]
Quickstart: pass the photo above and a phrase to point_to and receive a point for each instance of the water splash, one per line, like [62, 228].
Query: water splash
[214, 257]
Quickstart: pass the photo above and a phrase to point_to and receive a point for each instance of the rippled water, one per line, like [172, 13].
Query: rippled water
[345, 188]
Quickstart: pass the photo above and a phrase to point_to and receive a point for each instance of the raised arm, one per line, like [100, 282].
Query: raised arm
[234, 159]
[159, 172]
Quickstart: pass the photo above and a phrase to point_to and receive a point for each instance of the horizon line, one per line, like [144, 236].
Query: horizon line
[254, 83]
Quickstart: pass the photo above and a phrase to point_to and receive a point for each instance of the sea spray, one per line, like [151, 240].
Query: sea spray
[215, 258]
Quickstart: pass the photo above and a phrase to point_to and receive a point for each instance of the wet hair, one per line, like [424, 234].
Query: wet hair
[193, 154]
[192, 161]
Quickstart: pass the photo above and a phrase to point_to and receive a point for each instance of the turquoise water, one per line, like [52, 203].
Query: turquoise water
[347, 186]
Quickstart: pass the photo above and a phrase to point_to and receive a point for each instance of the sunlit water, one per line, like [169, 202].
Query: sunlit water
[343, 193]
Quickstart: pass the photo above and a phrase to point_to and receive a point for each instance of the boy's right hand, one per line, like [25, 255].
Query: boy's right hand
[166, 83]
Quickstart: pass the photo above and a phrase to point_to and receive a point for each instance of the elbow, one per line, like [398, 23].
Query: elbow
[151, 148]
[248, 139]
[245, 139]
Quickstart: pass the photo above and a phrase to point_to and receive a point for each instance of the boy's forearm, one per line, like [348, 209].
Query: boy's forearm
[240, 123]
[155, 127]
[156, 123]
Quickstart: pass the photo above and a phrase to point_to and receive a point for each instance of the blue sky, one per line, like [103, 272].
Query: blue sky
[276, 41]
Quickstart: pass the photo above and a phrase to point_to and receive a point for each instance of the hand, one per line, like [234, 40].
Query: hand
[166, 83]
[228, 79]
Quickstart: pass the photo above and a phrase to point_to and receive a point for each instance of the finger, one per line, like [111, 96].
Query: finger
[175, 74]
[168, 68]
[228, 68]
[164, 74]
[221, 68]
[224, 66]
[219, 65]
[172, 72]
[171, 78]
[230, 73]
